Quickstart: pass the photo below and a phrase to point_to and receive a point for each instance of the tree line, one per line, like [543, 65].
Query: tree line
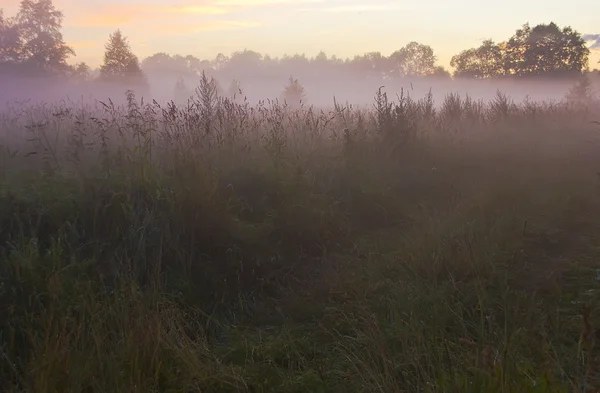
[31, 43]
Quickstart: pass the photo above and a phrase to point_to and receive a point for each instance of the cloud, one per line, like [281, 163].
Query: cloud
[101, 20]
[171, 29]
[201, 10]
[260, 3]
[181, 15]
[361, 8]
[593, 37]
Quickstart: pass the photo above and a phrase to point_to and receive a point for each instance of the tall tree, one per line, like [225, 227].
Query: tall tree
[120, 64]
[10, 40]
[487, 61]
[414, 59]
[158, 63]
[43, 48]
[546, 50]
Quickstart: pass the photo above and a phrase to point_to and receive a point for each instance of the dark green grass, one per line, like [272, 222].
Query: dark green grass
[294, 263]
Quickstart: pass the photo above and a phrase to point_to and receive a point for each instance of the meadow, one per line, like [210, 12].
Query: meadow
[409, 246]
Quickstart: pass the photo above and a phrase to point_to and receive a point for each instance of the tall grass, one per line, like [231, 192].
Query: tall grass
[218, 246]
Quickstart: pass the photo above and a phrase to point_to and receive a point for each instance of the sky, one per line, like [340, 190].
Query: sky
[204, 28]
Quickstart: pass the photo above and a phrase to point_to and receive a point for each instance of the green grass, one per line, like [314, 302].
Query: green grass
[226, 248]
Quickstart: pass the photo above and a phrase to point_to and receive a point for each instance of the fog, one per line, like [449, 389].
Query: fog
[320, 90]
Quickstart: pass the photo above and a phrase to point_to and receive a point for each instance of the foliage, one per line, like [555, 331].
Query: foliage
[81, 71]
[165, 64]
[120, 64]
[440, 72]
[413, 60]
[32, 41]
[544, 50]
[371, 64]
[10, 40]
[487, 61]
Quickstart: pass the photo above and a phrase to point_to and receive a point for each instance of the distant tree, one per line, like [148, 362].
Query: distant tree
[43, 49]
[293, 93]
[120, 64]
[320, 63]
[10, 40]
[243, 61]
[220, 61]
[295, 64]
[414, 59]
[157, 63]
[163, 63]
[270, 63]
[194, 65]
[81, 71]
[487, 61]
[321, 58]
[546, 50]
[371, 64]
[440, 72]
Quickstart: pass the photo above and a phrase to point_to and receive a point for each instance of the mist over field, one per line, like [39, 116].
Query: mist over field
[319, 90]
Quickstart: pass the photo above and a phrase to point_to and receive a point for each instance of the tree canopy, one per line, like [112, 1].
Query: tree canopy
[544, 50]
[33, 39]
[31, 42]
[120, 64]
[414, 59]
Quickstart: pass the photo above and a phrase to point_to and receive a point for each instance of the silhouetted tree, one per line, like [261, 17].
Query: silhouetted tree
[194, 65]
[244, 61]
[220, 61]
[10, 40]
[157, 63]
[487, 61]
[120, 64]
[413, 60]
[163, 63]
[321, 58]
[81, 71]
[440, 72]
[43, 49]
[371, 64]
[546, 50]
[294, 64]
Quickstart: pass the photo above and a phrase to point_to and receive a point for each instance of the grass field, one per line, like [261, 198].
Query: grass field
[220, 247]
